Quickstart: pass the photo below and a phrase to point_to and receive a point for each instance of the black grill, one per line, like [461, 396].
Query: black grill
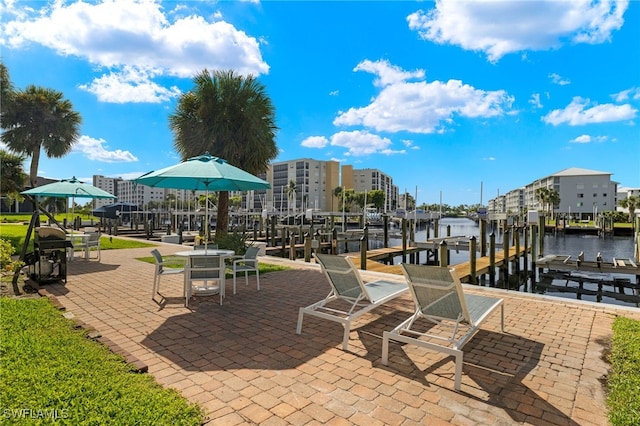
[50, 246]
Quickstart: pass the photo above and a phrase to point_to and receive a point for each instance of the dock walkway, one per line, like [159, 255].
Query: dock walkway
[464, 269]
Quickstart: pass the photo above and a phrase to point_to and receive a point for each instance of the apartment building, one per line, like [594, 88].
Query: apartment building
[130, 192]
[625, 192]
[364, 180]
[106, 184]
[583, 194]
[315, 182]
[315, 185]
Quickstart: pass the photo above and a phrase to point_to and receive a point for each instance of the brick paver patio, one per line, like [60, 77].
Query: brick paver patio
[244, 364]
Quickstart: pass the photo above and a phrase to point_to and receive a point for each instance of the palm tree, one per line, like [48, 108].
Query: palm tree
[337, 191]
[13, 175]
[548, 197]
[631, 203]
[231, 117]
[40, 118]
[291, 195]
[6, 89]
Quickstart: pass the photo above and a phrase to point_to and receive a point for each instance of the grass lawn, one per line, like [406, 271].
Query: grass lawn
[52, 372]
[16, 234]
[624, 380]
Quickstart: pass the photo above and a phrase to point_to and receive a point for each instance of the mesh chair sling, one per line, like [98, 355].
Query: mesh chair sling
[348, 286]
[439, 298]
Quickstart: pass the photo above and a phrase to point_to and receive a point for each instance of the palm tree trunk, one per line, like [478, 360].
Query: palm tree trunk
[33, 170]
[222, 218]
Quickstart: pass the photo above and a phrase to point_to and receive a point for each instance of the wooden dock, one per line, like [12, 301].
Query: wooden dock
[463, 269]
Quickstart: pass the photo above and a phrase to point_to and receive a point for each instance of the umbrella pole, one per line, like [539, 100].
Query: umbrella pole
[206, 219]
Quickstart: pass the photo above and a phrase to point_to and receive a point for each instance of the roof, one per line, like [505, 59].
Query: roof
[575, 171]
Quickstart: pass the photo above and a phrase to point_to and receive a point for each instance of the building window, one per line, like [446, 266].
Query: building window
[580, 204]
[580, 195]
[604, 195]
[595, 195]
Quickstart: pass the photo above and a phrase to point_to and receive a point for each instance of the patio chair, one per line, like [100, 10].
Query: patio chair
[247, 263]
[204, 268]
[86, 244]
[439, 298]
[347, 286]
[163, 269]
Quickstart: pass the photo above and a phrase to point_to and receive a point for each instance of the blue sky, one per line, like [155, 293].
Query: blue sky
[448, 97]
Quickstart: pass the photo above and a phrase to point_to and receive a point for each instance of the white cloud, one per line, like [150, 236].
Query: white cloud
[131, 85]
[96, 149]
[498, 28]
[633, 93]
[578, 113]
[387, 74]
[315, 142]
[581, 139]
[420, 107]
[588, 139]
[135, 37]
[410, 144]
[535, 100]
[361, 143]
[558, 79]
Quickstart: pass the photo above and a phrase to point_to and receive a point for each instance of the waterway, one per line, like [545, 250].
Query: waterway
[608, 247]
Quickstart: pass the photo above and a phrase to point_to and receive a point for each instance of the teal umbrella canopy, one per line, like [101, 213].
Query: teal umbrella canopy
[68, 188]
[203, 173]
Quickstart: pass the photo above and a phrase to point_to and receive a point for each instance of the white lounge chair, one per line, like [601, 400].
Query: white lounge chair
[439, 298]
[348, 286]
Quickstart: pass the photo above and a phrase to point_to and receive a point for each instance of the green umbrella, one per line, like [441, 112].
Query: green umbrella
[68, 188]
[203, 173]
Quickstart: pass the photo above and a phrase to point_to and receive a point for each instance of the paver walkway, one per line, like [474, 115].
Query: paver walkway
[244, 364]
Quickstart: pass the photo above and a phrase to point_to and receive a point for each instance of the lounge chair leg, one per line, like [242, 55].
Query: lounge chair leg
[300, 317]
[458, 377]
[345, 338]
[385, 348]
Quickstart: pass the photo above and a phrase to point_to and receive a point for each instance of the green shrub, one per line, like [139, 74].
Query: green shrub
[6, 251]
[234, 240]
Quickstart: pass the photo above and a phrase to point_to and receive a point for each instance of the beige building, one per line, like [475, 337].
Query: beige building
[315, 182]
[364, 180]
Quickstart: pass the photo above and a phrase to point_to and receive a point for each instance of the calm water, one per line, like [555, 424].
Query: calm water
[609, 247]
